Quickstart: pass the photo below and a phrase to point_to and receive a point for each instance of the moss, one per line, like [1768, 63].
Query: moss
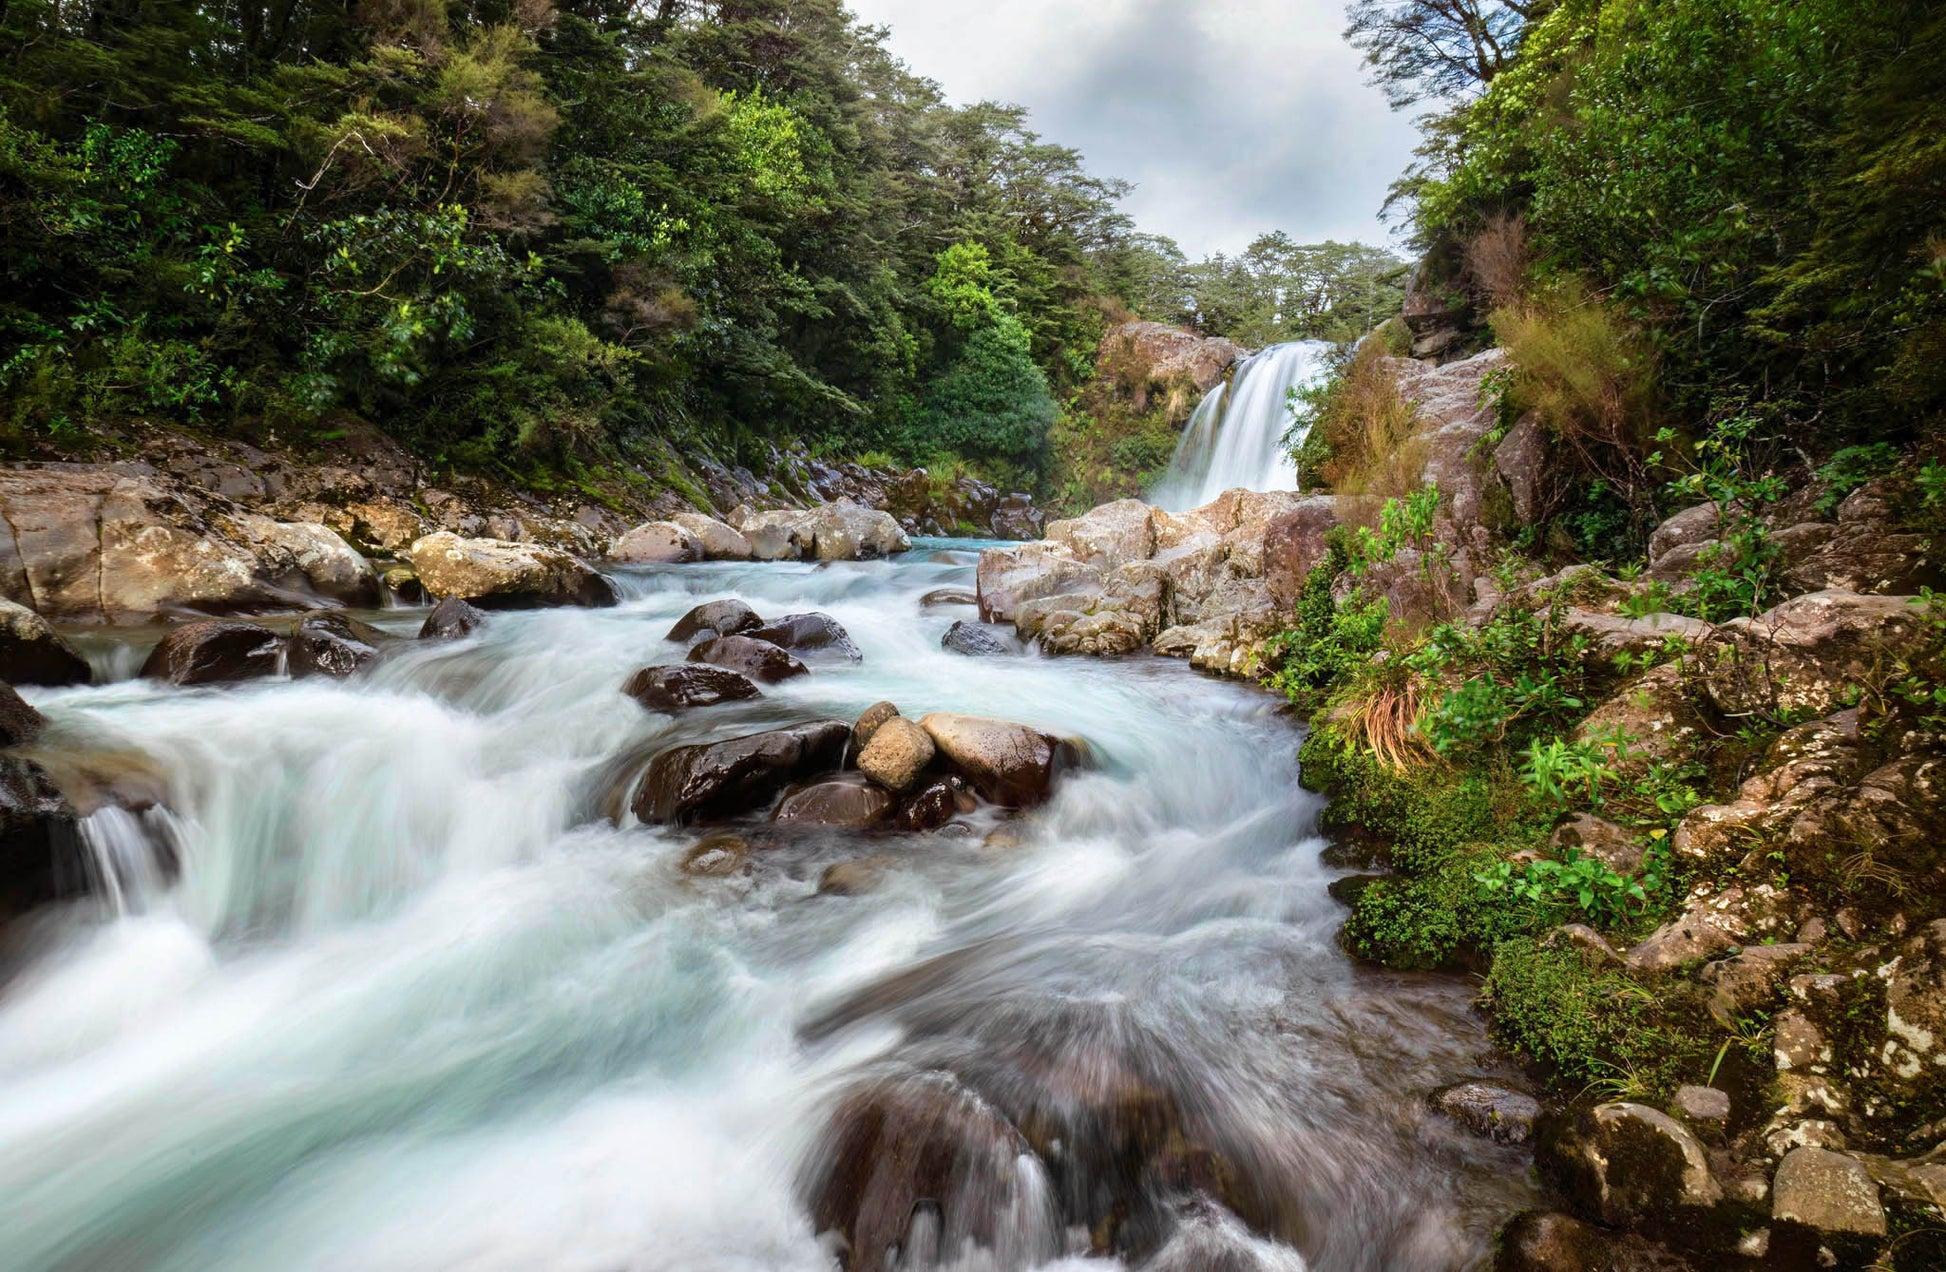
[1441, 918]
[1585, 1025]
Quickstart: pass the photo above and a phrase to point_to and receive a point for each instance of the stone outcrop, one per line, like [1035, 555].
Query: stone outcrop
[1809, 653]
[758, 659]
[811, 633]
[215, 652]
[1169, 352]
[496, 574]
[715, 618]
[841, 531]
[656, 543]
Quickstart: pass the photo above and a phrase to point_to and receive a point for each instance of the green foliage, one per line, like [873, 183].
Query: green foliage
[1327, 643]
[1402, 523]
[1850, 468]
[1576, 884]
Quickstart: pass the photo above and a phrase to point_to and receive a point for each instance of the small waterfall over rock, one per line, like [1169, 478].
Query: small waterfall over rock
[1236, 436]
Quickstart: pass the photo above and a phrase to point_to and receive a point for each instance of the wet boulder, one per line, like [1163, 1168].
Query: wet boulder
[38, 838]
[845, 531]
[330, 644]
[1494, 1112]
[19, 721]
[921, 1156]
[656, 543]
[1009, 764]
[869, 721]
[1294, 545]
[853, 878]
[685, 685]
[742, 775]
[940, 596]
[898, 755]
[718, 541]
[33, 653]
[215, 652]
[1010, 577]
[934, 804]
[758, 659]
[451, 619]
[972, 640]
[848, 802]
[809, 633]
[729, 617]
[498, 574]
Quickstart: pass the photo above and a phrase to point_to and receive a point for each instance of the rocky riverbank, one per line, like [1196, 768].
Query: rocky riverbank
[1740, 1061]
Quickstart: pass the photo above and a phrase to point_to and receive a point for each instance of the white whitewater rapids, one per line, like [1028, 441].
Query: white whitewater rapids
[415, 1003]
[1236, 438]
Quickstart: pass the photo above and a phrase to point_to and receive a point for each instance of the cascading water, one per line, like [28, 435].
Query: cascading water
[1236, 437]
[412, 1002]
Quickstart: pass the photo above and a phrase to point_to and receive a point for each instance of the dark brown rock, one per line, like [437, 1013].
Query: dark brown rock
[684, 685]
[330, 644]
[38, 839]
[717, 856]
[758, 659]
[850, 802]
[809, 633]
[1009, 764]
[868, 723]
[716, 618]
[19, 721]
[1629, 1165]
[1548, 1241]
[1294, 545]
[935, 804]
[742, 775]
[452, 619]
[33, 653]
[1499, 1114]
[213, 653]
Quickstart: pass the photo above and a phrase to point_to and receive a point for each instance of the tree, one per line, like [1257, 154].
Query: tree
[1432, 49]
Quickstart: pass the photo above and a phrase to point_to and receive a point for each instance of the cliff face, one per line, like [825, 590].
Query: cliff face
[1116, 439]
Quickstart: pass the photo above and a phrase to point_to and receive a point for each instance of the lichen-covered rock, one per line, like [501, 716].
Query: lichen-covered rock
[1865, 551]
[758, 659]
[1810, 653]
[33, 653]
[1810, 763]
[215, 652]
[686, 685]
[715, 618]
[1829, 1193]
[1750, 979]
[1691, 528]
[657, 543]
[1701, 1105]
[1611, 634]
[1710, 924]
[742, 775]
[1913, 1052]
[1630, 1165]
[1656, 713]
[496, 574]
[1613, 846]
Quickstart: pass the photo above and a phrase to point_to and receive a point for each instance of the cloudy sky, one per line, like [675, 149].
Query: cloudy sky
[1232, 117]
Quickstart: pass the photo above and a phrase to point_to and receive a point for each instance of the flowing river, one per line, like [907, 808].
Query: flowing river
[416, 1002]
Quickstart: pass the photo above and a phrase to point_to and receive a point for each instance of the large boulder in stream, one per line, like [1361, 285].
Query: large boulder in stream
[808, 633]
[897, 755]
[686, 685]
[215, 652]
[451, 619]
[847, 802]
[729, 617]
[33, 653]
[758, 659]
[330, 644]
[718, 541]
[742, 775]
[656, 543]
[498, 574]
[1009, 764]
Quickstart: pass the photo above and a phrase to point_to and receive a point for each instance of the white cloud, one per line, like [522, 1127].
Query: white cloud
[1232, 117]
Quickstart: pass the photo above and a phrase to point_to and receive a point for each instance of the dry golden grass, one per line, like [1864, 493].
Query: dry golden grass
[1385, 721]
[1497, 259]
[1367, 423]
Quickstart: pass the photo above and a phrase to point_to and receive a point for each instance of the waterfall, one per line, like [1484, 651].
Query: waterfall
[1236, 436]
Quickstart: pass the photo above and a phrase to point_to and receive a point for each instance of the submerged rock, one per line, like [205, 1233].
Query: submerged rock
[1502, 1115]
[497, 574]
[728, 617]
[742, 775]
[685, 685]
[972, 640]
[947, 596]
[845, 803]
[758, 659]
[809, 633]
[330, 644]
[32, 653]
[717, 856]
[451, 619]
[215, 652]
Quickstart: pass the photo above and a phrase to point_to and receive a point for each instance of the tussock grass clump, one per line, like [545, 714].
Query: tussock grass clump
[1361, 424]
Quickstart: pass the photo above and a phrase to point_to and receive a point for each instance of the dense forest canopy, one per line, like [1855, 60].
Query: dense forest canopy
[521, 232]
[1749, 193]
